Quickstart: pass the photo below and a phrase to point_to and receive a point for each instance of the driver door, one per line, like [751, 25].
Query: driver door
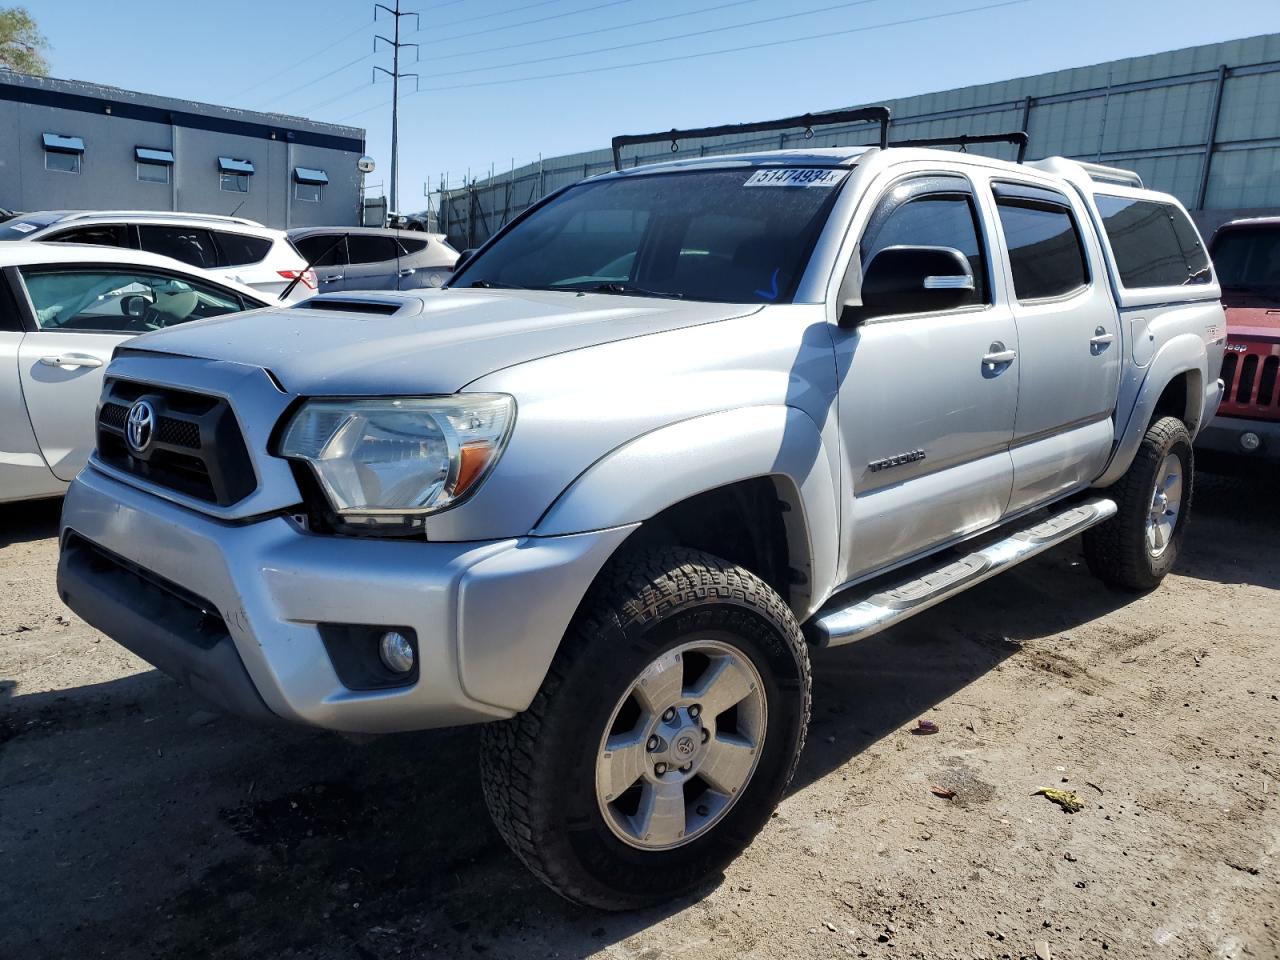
[927, 399]
[74, 319]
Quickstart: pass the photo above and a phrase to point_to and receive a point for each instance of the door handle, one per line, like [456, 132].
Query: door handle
[409, 272]
[333, 279]
[1100, 338]
[71, 361]
[997, 357]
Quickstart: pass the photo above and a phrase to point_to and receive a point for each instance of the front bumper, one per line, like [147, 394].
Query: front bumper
[233, 609]
[1223, 435]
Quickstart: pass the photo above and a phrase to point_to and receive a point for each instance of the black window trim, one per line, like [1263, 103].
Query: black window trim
[940, 183]
[1034, 196]
[26, 307]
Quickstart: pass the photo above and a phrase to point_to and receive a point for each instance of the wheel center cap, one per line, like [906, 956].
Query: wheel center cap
[1160, 505]
[686, 745]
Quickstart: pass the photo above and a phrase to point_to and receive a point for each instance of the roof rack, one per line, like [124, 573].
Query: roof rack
[160, 215]
[1104, 174]
[1018, 137]
[806, 122]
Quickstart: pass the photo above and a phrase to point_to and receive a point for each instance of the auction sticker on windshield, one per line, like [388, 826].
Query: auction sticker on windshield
[796, 177]
[23, 227]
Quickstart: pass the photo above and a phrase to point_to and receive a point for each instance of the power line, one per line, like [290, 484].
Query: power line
[306, 59]
[499, 13]
[712, 53]
[527, 23]
[588, 33]
[669, 37]
[319, 79]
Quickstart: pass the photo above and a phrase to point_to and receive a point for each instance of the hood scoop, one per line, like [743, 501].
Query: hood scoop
[365, 305]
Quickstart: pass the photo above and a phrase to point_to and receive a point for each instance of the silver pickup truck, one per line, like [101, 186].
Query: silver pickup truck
[661, 433]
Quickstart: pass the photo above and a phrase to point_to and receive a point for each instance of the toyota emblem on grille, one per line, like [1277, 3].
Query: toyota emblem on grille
[140, 426]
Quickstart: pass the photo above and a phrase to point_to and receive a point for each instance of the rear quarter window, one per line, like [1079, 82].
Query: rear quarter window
[1154, 243]
[239, 249]
[412, 245]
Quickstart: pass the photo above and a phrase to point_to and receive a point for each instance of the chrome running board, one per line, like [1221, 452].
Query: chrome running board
[863, 615]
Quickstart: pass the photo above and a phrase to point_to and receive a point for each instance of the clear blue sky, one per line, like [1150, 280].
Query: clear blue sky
[480, 105]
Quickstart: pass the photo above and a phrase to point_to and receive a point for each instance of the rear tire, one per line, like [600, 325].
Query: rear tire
[627, 781]
[1140, 544]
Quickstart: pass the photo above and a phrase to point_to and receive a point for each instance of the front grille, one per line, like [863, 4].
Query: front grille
[197, 448]
[1250, 371]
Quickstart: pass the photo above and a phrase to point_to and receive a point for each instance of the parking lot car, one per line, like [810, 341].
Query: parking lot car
[1246, 254]
[63, 310]
[242, 251]
[366, 258]
[658, 434]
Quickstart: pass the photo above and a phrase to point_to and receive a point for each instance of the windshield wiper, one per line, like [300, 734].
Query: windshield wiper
[495, 285]
[625, 289]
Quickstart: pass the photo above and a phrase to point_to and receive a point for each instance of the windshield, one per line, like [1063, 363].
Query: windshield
[1248, 259]
[731, 236]
[23, 224]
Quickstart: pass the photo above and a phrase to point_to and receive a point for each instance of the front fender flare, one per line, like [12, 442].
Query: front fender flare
[646, 475]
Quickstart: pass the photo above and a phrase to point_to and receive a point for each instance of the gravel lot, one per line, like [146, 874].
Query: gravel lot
[135, 824]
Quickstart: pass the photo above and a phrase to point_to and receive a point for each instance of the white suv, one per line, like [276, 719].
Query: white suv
[240, 250]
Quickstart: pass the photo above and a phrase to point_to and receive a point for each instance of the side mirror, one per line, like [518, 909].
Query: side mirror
[911, 279]
[463, 257]
[134, 306]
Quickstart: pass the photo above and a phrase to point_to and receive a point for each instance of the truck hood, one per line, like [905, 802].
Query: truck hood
[435, 341]
[1261, 322]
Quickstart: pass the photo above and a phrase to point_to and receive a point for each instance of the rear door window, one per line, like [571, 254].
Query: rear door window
[239, 250]
[1154, 244]
[1045, 250]
[188, 244]
[363, 248]
[314, 245]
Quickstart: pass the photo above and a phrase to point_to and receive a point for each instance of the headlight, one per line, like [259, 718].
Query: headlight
[385, 464]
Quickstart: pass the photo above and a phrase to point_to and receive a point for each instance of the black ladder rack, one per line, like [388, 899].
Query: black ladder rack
[806, 122]
[1018, 137]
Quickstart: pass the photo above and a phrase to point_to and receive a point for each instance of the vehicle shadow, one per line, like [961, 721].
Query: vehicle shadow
[1240, 525]
[166, 830]
[29, 520]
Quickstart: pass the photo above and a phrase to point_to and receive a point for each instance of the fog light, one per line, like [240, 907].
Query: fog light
[1250, 441]
[396, 652]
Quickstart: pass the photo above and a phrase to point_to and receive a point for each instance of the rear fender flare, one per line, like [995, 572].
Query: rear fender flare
[1183, 355]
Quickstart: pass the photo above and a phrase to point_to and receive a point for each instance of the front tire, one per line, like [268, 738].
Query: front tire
[1139, 545]
[662, 738]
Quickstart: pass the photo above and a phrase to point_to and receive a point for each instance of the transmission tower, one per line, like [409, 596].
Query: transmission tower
[395, 75]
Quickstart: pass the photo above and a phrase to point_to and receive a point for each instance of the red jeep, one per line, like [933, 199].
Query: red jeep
[1246, 255]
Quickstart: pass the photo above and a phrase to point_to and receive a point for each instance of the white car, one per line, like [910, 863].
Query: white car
[63, 311]
[240, 250]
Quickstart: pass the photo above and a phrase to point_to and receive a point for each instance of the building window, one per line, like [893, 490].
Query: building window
[233, 174]
[308, 184]
[62, 154]
[153, 165]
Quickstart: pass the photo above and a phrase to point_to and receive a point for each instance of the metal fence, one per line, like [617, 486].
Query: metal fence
[1201, 123]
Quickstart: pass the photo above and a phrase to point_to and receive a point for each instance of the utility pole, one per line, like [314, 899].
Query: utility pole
[395, 75]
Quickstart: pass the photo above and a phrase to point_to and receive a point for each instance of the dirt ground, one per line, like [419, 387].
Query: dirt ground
[135, 824]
